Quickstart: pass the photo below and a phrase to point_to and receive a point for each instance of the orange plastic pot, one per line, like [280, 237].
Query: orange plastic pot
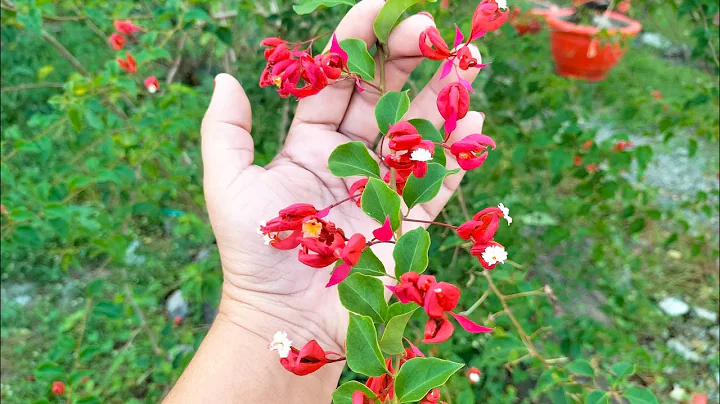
[579, 54]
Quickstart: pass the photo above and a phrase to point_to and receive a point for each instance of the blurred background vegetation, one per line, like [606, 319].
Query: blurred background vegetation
[110, 275]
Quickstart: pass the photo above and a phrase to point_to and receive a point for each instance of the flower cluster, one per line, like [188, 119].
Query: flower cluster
[321, 242]
[489, 15]
[295, 72]
[438, 299]
[481, 230]
[117, 41]
[409, 153]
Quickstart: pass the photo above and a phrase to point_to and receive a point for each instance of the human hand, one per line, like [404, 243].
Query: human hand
[266, 290]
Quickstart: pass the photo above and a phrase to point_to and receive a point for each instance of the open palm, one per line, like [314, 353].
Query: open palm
[259, 279]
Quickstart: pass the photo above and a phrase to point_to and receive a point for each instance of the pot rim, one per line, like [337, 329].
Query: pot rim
[558, 24]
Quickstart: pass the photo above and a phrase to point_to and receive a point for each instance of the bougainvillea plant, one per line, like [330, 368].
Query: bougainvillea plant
[413, 153]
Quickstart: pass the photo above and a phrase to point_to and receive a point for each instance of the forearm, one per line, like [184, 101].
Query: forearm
[233, 364]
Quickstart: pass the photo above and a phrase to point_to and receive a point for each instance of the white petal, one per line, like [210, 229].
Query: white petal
[502, 4]
[421, 155]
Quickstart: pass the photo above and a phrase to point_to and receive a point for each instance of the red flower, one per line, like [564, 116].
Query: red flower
[126, 27]
[489, 254]
[117, 41]
[403, 135]
[588, 144]
[412, 287]
[432, 397]
[354, 248]
[623, 145]
[591, 168]
[438, 330]
[488, 17]
[466, 59]
[58, 388]
[321, 242]
[176, 320]
[289, 219]
[357, 188]
[577, 160]
[439, 298]
[657, 95]
[453, 102]
[295, 72]
[432, 44]
[308, 359]
[128, 64]
[473, 374]
[152, 84]
[470, 152]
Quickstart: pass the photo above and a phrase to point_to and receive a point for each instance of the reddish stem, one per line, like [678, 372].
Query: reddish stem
[375, 241]
[341, 202]
[430, 222]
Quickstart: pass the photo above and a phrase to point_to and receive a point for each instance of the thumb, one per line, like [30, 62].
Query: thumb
[227, 147]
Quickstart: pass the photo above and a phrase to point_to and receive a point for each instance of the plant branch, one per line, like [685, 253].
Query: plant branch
[31, 86]
[429, 222]
[65, 53]
[143, 322]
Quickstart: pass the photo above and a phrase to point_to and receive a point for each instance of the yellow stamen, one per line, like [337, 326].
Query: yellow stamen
[277, 80]
[311, 228]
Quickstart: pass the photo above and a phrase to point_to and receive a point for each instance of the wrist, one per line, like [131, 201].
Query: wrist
[265, 314]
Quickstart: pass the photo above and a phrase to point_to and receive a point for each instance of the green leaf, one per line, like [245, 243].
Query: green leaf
[420, 375]
[74, 115]
[197, 14]
[108, 309]
[636, 225]
[597, 397]
[379, 201]
[550, 377]
[49, 371]
[411, 251]
[369, 264]
[581, 367]
[225, 35]
[427, 130]
[351, 159]
[343, 394]
[361, 347]
[622, 370]
[638, 395]
[421, 190]
[389, 16]
[359, 59]
[364, 295]
[308, 6]
[559, 160]
[558, 395]
[391, 108]
[32, 21]
[398, 315]
[430, 132]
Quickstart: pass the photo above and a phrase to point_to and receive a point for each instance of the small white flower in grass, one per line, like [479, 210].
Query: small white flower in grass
[280, 343]
[421, 155]
[506, 213]
[494, 254]
[474, 377]
[502, 4]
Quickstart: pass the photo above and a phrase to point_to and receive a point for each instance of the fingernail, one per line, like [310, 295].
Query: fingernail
[213, 84]
[425, 13]
[483, 115]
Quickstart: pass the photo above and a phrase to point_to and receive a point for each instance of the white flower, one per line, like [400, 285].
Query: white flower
[494, 254]
[502, 4]
[438, 290]
[506, 213]
[259, 229]
[421, 155]
[151, 89]
[474, 377]
[280, 343]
